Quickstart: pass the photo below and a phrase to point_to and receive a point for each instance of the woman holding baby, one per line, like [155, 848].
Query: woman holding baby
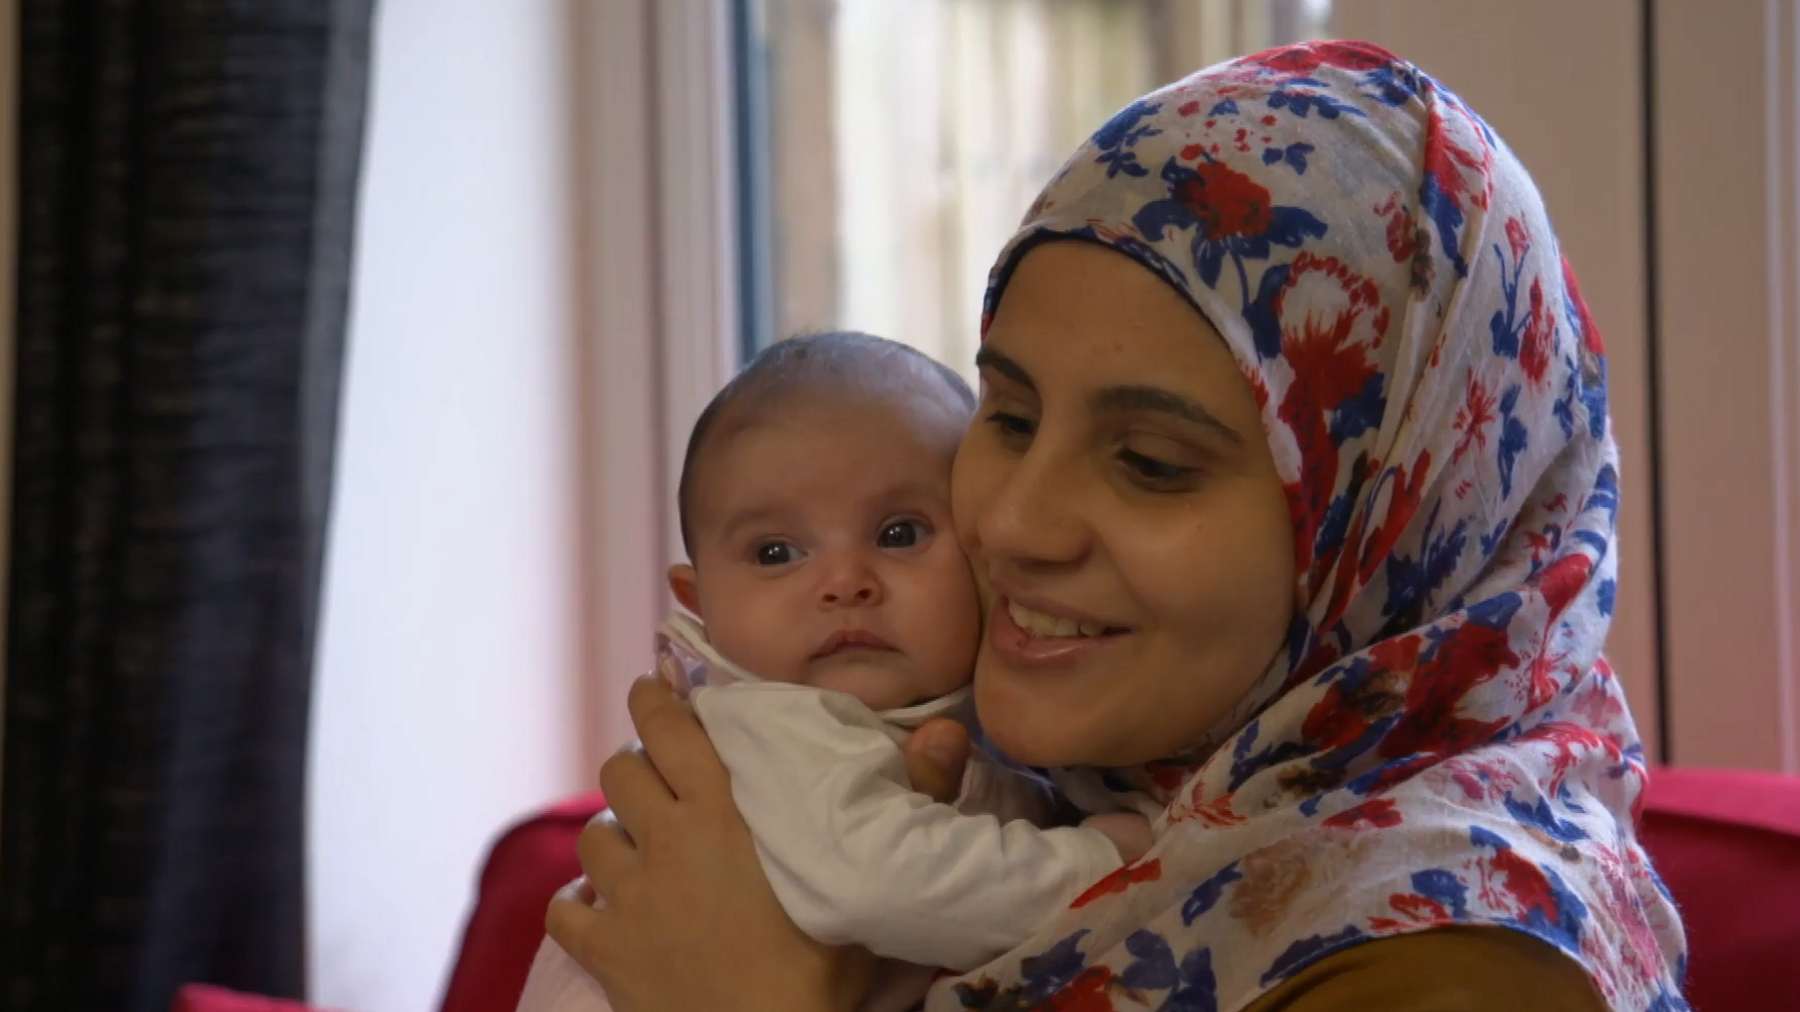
[1290, 497]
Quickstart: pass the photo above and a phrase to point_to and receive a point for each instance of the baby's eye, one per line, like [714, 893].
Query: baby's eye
[776, 553]
[901, 534]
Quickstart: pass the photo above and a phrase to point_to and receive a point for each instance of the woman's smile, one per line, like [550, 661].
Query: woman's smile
[1047, 634]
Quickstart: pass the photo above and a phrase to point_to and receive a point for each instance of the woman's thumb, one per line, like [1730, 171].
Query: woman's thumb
[935, 757]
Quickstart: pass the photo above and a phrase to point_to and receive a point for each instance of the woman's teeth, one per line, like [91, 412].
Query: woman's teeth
[1039, 624]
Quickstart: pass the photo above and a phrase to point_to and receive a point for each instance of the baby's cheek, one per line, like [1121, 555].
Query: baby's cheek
[759, 643]
[953, 623]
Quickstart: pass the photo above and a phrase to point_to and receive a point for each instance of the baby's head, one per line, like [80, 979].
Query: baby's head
[815, 509]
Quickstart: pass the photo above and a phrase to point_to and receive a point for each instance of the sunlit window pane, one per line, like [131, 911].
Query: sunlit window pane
[906, 137]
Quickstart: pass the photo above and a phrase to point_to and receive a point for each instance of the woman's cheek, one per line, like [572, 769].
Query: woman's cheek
[972, 480]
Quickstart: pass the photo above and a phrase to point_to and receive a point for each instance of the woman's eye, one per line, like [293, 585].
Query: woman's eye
[901, 534]
[1011, 426]
[1155, 471]
[776, 553]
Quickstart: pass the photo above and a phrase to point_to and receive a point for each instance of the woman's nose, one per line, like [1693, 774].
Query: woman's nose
[849, 581]
[1033, 516]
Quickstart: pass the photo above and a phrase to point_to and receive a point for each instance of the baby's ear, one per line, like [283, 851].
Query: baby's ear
[683, 584]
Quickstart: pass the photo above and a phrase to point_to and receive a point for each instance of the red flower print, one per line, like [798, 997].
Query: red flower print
[1378, 813]
[1562, 580]
[1590, 333]
[1335, 721]
[1471, 786]
[1473, 654]
[1402, 231]
[1408, 492]
[1516, 237]
[1259, 388]
[1400, 653]
[1301, 60]
[1215, 813]
[1567, 744]
[1167, 775]
[1480, 781]
[1598, 707]
[1540, 329]
[1331, 366]
[1525, 884]
[1542, 685]
[1086, 993]
[1119, 881]
[1226, 202]
[1540, 543]
[1419, 909]
[1473, 418]
[1349, 706]
[1452, 166]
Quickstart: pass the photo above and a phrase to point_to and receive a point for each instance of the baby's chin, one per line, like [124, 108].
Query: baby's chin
[880, 682]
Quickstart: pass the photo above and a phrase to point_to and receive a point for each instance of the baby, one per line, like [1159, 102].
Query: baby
[839, 615]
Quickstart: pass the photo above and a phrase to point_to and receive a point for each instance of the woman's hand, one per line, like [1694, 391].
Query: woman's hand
[690, 921]
[936, 755]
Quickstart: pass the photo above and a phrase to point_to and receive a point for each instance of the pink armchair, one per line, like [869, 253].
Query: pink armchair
[1727, 844]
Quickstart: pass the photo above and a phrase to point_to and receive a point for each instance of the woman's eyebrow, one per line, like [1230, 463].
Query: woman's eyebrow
[988, 358]
[1143, 398]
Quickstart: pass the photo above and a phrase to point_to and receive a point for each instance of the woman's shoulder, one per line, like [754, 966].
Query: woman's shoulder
[1440, 970]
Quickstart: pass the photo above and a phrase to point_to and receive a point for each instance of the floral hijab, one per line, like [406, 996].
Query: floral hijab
[1442, 742]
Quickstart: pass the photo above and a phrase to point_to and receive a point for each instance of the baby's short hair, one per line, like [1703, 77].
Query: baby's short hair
[828, 358]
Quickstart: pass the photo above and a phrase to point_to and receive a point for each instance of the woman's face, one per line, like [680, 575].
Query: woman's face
[1117, 499]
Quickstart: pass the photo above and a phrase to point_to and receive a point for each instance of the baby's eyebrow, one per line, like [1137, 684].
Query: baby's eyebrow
[734, 524]
[1168, 402]
[927, 492]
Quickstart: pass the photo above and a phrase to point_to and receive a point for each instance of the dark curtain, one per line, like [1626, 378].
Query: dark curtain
[187, 181]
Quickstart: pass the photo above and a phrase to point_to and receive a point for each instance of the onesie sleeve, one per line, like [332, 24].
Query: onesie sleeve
[855, 855]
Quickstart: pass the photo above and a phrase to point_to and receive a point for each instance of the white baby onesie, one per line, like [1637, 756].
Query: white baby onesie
[853, 853]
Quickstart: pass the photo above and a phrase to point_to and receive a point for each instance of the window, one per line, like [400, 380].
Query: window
[760, 167]
[889, 147]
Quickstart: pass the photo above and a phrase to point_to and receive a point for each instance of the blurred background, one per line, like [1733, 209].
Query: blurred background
[517, 246]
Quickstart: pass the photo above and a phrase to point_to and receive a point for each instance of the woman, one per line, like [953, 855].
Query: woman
[1286, 389]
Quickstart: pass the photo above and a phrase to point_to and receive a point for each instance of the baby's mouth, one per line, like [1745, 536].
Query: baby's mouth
[852, 641]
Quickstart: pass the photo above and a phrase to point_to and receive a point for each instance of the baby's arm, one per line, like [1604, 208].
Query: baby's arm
[1008, 794]
[1128, 831]
[857, 856]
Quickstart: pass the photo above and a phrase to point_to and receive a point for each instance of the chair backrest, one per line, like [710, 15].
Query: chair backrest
[523, 871]
[1728, 847]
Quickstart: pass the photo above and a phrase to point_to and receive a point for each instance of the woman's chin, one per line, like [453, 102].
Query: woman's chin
[1034, 730]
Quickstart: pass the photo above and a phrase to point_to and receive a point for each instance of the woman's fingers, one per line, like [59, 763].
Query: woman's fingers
[609, 858]
[675, 741]
[634, 790]
[583, 932]
[936, 755]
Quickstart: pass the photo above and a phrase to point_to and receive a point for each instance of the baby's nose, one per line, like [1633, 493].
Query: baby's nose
[850, 582]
